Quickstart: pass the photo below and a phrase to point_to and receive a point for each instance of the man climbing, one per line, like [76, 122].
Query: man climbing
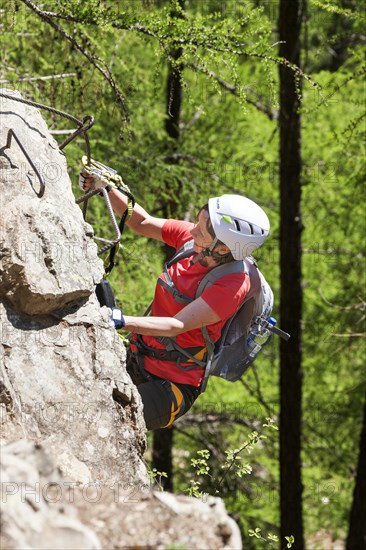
[228, 228]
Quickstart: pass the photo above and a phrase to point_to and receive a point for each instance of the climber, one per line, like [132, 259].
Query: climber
[227, 228]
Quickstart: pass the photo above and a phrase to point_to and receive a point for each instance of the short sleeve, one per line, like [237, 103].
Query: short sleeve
[227, 294]
[175, 233]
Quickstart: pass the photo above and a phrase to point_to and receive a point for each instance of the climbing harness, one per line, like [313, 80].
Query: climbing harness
[92, 167]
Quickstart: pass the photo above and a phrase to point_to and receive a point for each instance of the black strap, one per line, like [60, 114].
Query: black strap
[121, 225]
[177, 354]
[172, 289]
[184, 251]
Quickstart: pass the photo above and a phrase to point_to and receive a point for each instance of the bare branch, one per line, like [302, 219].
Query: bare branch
[361, 305]
[257, 393]
[236, 48]
[175, 157]
[349, 335]
[94, 60]
[34, 78]
[271, 113]
[198, 419]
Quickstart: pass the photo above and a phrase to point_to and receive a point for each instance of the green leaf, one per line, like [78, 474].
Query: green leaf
[290, 541]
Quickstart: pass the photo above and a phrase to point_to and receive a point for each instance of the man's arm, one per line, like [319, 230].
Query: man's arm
[141, 222]
[197, 314]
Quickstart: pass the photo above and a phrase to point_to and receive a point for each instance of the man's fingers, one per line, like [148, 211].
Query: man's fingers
[85, 181]
[89, 181]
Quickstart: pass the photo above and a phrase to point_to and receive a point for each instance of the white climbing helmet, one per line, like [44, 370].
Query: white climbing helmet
[239, 223]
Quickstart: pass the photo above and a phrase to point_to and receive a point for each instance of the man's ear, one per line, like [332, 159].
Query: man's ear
[222, 249]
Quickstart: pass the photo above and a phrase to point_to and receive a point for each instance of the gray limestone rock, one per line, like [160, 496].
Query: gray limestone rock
[48, 257]
[33, 495]
[60, 357]
[43, 508]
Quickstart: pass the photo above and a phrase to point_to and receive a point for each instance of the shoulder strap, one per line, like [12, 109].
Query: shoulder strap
[255, 278]
[237, 266]
[184, 252]
[247, 265]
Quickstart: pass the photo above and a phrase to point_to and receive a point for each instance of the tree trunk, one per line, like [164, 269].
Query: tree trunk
[162, 456]
[163, 439]
[290, 263]
[172, 126]
[357, 526]
[174, 98]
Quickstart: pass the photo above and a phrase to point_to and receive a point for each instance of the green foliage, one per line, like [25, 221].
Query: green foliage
[269, 538]
[290, 541]
[113, 64]
[201, 468]
[155, 478]
[339, 9]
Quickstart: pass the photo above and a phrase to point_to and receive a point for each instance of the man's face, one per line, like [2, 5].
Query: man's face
[202, 238]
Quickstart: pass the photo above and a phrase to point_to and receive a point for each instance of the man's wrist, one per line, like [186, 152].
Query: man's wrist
[117, 318]
[108, 188]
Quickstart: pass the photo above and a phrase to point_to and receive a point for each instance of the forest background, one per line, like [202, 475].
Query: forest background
[186, 100]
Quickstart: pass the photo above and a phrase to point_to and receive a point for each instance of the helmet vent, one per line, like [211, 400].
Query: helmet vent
[237, 225]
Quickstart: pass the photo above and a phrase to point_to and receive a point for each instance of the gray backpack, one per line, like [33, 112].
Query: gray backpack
[230, 356]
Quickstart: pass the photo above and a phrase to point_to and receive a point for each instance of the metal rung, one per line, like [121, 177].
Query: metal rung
[84, 199]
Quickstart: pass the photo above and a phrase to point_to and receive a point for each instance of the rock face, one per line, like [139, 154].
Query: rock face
[60, 356]
[60, 360]
[53, 511]
[48, 257]
[32, 508]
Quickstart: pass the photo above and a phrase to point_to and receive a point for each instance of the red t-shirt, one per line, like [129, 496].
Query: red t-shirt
[224, 297]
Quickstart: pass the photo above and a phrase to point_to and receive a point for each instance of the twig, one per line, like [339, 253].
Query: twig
[198, 419]
[361, 305]
[33, 78]
[272, 114]
[236, 48]
[174, 157]
[92, 59]
[350, 335]
[258, 394]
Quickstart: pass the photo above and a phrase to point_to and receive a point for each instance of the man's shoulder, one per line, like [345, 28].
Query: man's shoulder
[175, 233]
